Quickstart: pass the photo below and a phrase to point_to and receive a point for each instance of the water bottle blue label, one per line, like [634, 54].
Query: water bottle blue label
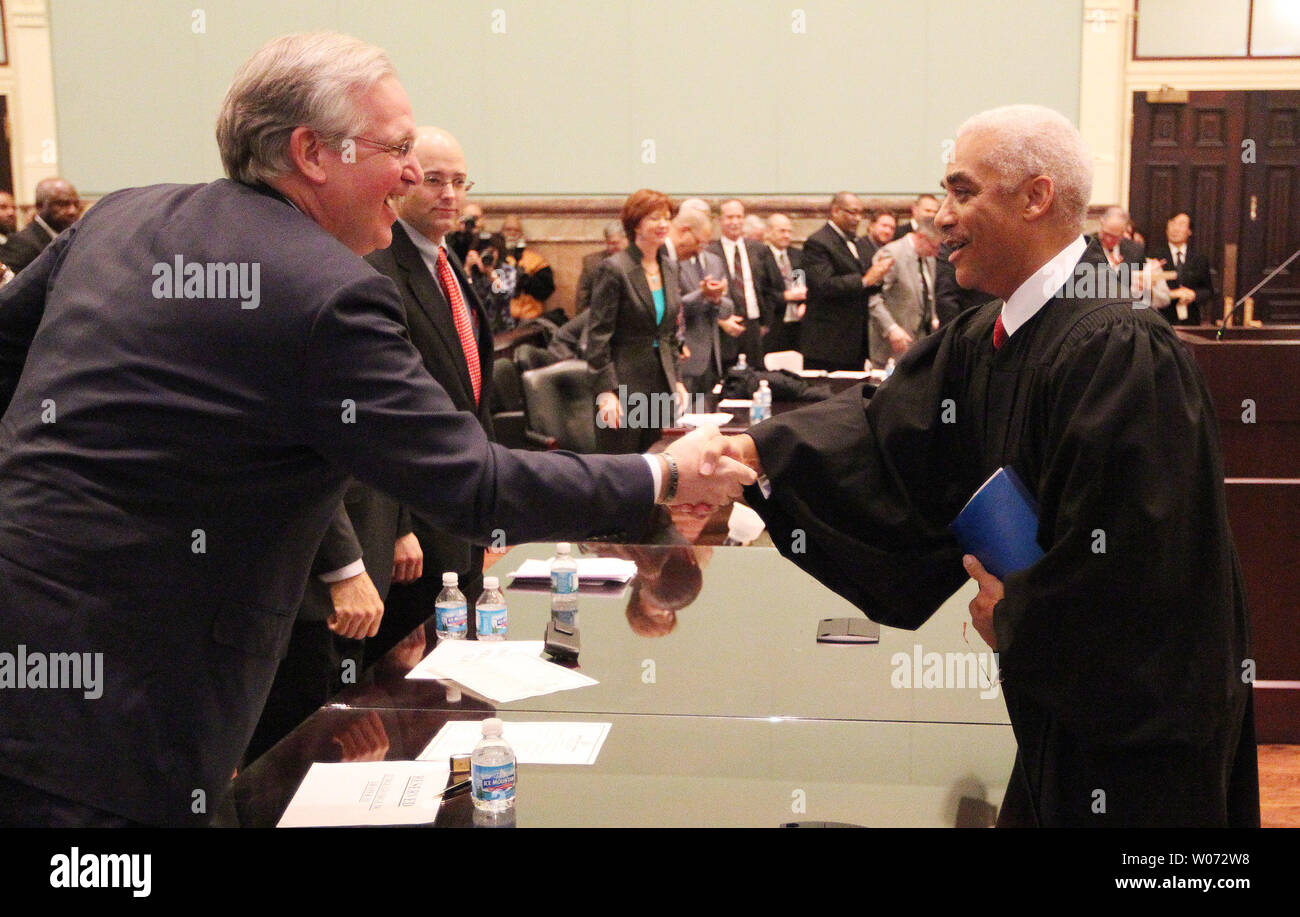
[491, 621]
[494, 782]
[453, 619]
[564, 583]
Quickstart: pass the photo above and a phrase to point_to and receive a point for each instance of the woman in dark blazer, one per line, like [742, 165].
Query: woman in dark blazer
[632, 340]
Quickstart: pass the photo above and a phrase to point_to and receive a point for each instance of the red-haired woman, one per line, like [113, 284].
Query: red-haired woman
[632, 344]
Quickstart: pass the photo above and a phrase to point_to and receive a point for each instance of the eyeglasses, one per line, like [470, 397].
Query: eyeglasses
[399, 150]
[458, 183]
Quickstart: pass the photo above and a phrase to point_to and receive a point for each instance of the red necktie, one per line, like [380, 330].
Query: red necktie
[460, 315]
[999, 333]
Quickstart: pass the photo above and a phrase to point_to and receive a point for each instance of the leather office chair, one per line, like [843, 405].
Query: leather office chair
[509, 422]
[560, 401]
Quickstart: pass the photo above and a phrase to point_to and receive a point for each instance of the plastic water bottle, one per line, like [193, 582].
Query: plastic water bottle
[490, 611]
[889, 367]
[564, 585]
[451, 610]
[740, 362]
[760, 408]
[492, 770]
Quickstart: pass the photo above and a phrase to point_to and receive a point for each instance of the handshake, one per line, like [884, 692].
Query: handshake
[711, 470]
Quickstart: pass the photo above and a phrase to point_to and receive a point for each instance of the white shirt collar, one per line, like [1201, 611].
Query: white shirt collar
[672, 249]
[1041, 286]
[839, 232]
[426, 245]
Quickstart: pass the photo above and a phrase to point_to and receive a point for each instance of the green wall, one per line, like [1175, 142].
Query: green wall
[562, 101]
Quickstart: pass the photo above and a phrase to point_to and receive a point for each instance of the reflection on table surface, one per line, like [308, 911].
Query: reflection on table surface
[725, 709]
[677, 771]
[723, 631]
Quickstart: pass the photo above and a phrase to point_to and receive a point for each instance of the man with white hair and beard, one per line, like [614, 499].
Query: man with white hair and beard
[205, 434]
[1124, 652]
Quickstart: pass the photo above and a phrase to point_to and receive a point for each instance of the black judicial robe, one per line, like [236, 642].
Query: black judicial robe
[1123, 650]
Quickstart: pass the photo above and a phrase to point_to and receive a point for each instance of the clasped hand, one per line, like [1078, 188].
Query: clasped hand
[708, 476]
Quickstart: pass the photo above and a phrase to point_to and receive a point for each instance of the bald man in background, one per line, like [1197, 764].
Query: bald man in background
[57, 207]
[436, 292]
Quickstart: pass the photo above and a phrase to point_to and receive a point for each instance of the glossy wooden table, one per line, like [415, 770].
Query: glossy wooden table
[732, 715]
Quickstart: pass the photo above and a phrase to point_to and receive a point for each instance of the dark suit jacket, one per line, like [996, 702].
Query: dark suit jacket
[587, 279]
[433, 332]
[835, 325]
[365, 527]
[769, 286]
[21, 249]
[169, 517]
[1194, 274]
[621, 337]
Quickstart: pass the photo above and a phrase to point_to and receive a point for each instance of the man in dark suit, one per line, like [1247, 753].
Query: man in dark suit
[1119, 250]
[188, 376]
[925, 206]
[462, 367]
[755, 286]
[840, 279]
[784, 333]
[615, 242]
[1192, 292]
[57, 207]
[702, 279]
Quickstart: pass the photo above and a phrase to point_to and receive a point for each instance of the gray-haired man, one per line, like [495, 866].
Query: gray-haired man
[206, 429]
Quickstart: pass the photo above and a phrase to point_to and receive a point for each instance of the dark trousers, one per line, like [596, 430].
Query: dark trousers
[410, 605]
[23, 806]
[783, 336]
[310, 672]
[749, 343]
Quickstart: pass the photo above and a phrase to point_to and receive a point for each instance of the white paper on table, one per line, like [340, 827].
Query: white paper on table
[590, 570]
[502, 672]
[812, 373]
[532, 743]
[736, 403]
[699, 420]
[452, 652]
[848, 374]
[368, 793]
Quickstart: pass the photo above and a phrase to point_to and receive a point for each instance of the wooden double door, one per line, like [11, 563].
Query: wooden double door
[1231, 160]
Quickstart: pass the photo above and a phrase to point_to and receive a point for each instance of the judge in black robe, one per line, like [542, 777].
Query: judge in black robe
[1125, 650]
[1122, 650]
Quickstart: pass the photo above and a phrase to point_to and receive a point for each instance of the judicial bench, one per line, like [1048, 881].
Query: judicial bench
[1254, 378]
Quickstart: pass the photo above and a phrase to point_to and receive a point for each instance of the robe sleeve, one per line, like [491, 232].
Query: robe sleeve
[862, 491]
[1132, 628]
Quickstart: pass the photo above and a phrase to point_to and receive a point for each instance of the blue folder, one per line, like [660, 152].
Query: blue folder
[999, 525]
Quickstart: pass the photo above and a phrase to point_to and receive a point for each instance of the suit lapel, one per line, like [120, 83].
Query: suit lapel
[428, 295]
[636, 279]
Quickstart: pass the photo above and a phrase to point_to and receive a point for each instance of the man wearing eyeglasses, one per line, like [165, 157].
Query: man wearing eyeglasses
[173, 449]
[841, 278]
[439, 302]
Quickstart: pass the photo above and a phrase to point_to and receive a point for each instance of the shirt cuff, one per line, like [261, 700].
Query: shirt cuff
[356, 568]
[657, 476]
